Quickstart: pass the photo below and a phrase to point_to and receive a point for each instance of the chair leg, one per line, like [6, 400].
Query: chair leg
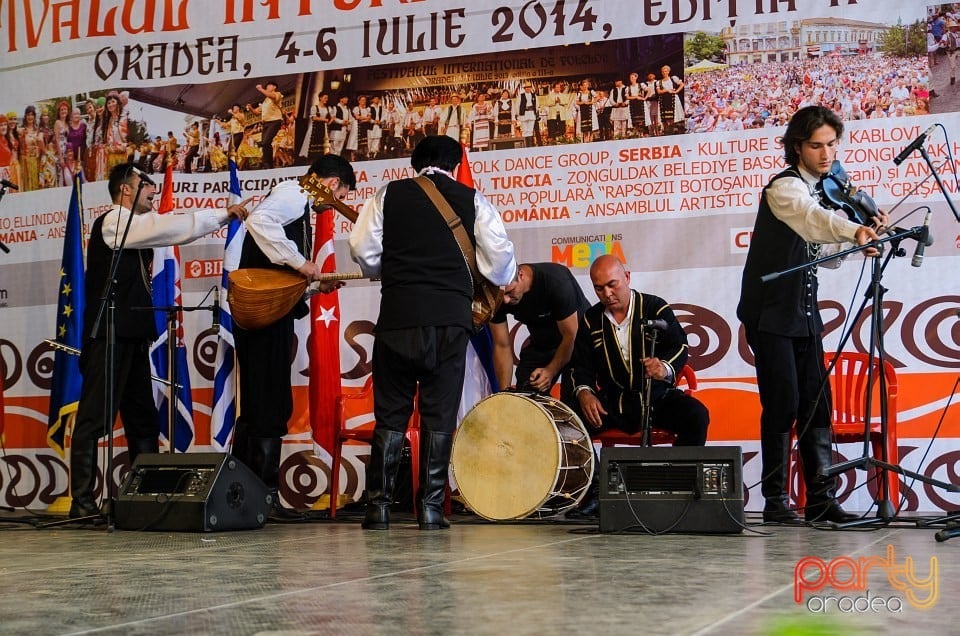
[335, 477]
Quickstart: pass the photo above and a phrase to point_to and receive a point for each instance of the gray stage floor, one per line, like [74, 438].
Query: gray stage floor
[326, 577]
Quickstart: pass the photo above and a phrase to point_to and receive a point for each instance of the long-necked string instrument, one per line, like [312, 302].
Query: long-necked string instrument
[260, 296]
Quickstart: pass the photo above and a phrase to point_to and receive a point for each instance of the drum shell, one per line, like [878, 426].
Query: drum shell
[517, 455]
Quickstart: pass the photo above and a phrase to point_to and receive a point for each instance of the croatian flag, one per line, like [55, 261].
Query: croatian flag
[166, 293]
[223, 417]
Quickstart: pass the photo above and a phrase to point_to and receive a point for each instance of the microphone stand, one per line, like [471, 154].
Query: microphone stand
[936, 176]
[173, 381]
[648, 384]
[108, 304]
[876, 359]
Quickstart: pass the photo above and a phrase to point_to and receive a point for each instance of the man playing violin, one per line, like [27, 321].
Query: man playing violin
[782, 321]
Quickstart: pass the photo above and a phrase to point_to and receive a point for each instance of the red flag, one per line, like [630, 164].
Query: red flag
[464, 175]
[324, 343]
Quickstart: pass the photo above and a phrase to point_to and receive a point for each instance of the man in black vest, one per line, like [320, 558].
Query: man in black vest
[425, 317]
[548, 300]
[612, 366]
[782, 321]
[278, 236]
[134, 330]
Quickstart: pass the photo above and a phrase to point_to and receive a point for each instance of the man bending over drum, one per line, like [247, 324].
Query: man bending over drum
[547, 299]
[611, 389]
[278, 236]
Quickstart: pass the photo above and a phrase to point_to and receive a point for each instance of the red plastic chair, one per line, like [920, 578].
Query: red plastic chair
[658, 437]
[354, 402]
[848, 383]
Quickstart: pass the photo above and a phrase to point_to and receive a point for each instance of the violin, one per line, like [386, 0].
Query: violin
[840, 194]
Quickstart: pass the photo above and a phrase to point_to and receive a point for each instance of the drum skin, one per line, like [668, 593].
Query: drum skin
[516, 455]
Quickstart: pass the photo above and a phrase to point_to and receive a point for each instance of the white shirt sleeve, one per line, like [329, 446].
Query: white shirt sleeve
[366, 238]
[495, 251]
[159, 230]
[283, 206]
[791, 201]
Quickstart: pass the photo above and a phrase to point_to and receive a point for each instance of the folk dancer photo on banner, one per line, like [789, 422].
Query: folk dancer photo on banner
[339, 126]
[671, 103]
[453, 119]
[481, 123]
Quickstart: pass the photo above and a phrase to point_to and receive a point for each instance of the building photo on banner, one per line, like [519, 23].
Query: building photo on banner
[616, 146]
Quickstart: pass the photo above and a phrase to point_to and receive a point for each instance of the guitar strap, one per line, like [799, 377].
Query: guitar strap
[454, 223]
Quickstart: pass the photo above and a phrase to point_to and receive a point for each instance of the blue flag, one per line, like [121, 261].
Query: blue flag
[65, 392]
[223, 415]
[166, 293]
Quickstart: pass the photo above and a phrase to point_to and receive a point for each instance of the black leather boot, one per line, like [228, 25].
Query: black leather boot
[775, 464]
[241, 442]
[385, 450]
[816, 453]
[434, 466]
[139, 445]
[83, 478]
[264, 455]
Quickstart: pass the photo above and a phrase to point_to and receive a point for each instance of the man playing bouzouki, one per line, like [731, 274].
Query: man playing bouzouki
[278, 236]
[426, 315]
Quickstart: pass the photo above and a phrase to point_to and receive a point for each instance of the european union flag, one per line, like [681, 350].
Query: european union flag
[65, 393]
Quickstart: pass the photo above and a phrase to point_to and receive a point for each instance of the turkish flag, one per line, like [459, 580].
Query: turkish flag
[324, 345]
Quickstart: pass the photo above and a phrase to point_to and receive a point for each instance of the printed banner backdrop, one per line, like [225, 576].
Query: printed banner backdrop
[664, 172]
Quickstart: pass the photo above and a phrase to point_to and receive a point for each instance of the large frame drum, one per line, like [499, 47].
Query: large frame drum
[517, 455]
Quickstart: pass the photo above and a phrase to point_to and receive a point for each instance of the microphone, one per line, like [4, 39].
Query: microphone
[7, 184]
[658, 324]
[216, 310]
[143, 175]
[922, 241]
[916, 143]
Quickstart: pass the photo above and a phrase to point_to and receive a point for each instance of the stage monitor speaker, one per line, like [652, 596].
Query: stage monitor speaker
[660, 489]
[191, 492]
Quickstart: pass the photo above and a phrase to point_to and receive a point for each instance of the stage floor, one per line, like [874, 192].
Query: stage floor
[324, 577]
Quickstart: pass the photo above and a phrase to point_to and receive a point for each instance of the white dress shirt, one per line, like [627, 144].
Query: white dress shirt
[159, 230]
[792, 201]
[284, 205]
[495, 252]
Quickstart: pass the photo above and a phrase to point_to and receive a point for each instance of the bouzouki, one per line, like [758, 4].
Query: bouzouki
[259, 297]
[321, 195]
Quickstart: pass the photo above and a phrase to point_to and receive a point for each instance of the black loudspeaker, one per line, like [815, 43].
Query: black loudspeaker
[191, 492]
[688, 489]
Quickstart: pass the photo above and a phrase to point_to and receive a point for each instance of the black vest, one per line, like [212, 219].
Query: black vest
[425, 280]
[299, 232]
[786, 306]
[132, 289]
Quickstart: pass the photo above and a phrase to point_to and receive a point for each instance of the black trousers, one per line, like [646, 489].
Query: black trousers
[268, 131]
[132, 391]
[429, 359]
[264, 357]
[791, 382]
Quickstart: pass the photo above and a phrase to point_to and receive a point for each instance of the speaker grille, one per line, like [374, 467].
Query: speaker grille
[659, 478]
